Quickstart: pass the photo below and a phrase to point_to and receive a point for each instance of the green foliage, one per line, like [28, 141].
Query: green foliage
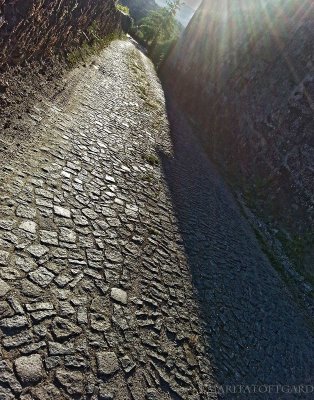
[160, 25]
[151, 159]
[162, 50]
[123, 9]
[93, 44]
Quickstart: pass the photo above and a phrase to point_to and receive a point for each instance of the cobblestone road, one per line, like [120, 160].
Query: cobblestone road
[96, 297]
[99, 250]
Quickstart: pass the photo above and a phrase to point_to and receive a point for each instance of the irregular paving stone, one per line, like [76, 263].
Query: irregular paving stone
[4, 288]
[113, 255]
[29, 289]
[39, 306]
[26, 212]
[49, 237]
[33, 347]
[63, 279]
[17, 340]
[90, 214]
[75, 362]
[5, 309]
[119, 295]
[63, 328]
[56, 349]
[72, 381]
[100, 322]
[37, 250]
[41, 276]
[15, 322]
[7, 224]
[8, 379]
[107, 363]
[127, 364]
[16, 305]
[4, 257]
[105, 393]
[29, 369]
[62, 212]
[40, 315]
[67, 235]
[53, 362]
[28, 226]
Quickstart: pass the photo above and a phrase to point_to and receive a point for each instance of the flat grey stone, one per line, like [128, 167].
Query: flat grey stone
[39, 306]
[53, 362]
[58, 349]
[63, 328]
[26, 212]
[4, 288]
[113, 255]
[28, 226]
[100, 322]
[4, 257]
[62, 212]
[5, 309]
[40, 315]
[72, 381]
[49, 237]
[89, 213]
[7, 224]
[41, 276]
[119, 295]
[67, 235]
[75, 362]
[17, 340]
[14, 322]
[107, 363]
[37, 250]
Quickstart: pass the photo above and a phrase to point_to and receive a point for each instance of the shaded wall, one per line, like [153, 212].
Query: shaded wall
[36, 29]
[244, 73]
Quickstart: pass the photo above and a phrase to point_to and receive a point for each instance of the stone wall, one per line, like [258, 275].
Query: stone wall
[37, 29]
[244, 73]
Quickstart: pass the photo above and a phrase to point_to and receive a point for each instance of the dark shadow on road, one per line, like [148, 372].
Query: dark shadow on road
[255, 332]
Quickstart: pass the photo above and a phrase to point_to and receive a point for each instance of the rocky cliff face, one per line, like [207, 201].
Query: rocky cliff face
[36, 29]
[244, 73]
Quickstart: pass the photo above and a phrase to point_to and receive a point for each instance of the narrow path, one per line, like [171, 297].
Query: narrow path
[96, 299]
[118, 243]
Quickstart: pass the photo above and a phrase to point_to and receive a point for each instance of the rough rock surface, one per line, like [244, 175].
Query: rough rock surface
[103, 290]
[251, 100]
[98, 285]
[36, 29]
[29, 369]
[36, 38]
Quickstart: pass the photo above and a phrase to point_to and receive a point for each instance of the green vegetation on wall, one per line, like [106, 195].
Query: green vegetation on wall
[93, 44]
[123, 9]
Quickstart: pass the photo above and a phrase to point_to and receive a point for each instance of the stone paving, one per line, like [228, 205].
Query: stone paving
[96, 299]
[110, 236]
